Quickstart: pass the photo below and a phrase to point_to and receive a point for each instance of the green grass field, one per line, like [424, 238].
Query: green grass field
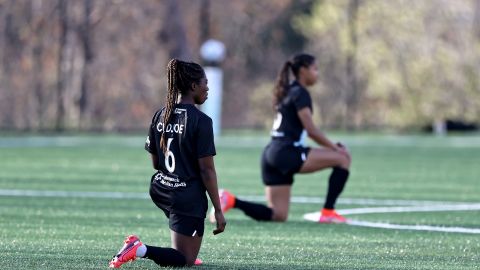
[71, 231]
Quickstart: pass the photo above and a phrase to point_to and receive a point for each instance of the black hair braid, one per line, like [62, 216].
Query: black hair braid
[180, 76]
[171, 99]
[283, 81]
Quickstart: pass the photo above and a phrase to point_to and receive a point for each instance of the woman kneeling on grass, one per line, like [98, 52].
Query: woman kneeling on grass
[180, 141]
[286, 154]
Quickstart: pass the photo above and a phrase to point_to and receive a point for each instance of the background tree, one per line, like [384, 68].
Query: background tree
[411, 59]
[85, 35]
[100, 64]
[61, 64]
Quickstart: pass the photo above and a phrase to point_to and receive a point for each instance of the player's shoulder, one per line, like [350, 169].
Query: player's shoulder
[203, 117]
[157, 115]
[297, 89]
[195, 114]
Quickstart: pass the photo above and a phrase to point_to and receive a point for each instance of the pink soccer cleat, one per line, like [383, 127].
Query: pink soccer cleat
[227, 202]
[127, 253]
[331, 216]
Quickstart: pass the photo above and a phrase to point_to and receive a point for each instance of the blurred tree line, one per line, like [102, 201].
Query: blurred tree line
[100, 64]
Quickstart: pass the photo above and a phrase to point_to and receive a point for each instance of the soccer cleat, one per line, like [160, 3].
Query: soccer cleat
[198, 262]
[331, 216]
[227, 202]
[127, 253]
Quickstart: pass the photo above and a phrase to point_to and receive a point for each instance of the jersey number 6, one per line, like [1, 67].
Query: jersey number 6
[170, 157]
[278, 121]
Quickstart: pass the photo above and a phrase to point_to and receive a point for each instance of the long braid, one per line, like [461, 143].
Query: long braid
[283, 81]
[180, 76]
[171, 99]
[281, 86]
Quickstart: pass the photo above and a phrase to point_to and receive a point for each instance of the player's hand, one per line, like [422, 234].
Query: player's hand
[343, 150]
[221, 222]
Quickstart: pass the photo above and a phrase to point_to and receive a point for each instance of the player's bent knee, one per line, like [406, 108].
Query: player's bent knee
[344, 162]
[280, 217]
[190, 261]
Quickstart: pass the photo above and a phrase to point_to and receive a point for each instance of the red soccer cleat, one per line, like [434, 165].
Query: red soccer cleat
[127, 253]
[331, 216]
[227, 202]
[198, 262]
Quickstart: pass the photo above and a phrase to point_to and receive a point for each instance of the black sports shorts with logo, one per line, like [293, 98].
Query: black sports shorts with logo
[189, 226]
[280, 161]
[180, 222]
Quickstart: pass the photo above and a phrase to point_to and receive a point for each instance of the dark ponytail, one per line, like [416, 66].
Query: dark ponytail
[283, 81]
[180, 76]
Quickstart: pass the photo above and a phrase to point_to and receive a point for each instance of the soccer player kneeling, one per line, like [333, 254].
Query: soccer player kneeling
[286, 154]
[180, 141]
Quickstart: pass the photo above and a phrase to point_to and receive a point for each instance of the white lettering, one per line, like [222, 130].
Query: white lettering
[278, 121]
[148, 141]
[182, 184]
[176, 128]
[169, 181]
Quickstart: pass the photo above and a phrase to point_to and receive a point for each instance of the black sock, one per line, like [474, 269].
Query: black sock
[256, 211]
[337, 181]
[165, 256]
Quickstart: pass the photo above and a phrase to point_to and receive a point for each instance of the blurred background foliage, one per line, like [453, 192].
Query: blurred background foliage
[99, 65]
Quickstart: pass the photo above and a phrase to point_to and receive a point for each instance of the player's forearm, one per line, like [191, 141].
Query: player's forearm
[321, 139]
[209, 178]
[154, 161]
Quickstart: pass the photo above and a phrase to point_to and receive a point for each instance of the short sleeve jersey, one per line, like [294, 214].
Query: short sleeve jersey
[287, 125]
[189, 136]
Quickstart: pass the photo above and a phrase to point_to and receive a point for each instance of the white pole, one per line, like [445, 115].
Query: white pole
[213, 106]
[439, 127]
[213, 53]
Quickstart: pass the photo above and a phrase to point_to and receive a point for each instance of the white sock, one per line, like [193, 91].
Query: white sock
[141, 251]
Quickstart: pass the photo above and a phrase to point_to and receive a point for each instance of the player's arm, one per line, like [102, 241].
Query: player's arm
[209, 178]
[154, 161]
[313, 132]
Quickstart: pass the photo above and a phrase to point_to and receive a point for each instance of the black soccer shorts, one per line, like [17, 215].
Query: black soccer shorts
[280, 161]
[186, 225]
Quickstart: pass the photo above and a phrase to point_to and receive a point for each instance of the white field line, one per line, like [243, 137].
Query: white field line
[242, 141]
[413, 227]
[141, 195]
[403, 209]
[304, 199]
[72, 194]
[420, 207]
[315, 216]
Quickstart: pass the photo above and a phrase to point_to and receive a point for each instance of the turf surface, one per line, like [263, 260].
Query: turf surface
[83, 233]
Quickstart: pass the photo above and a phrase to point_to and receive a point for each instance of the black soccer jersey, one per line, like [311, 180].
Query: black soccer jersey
[287, 126]
[177, 187]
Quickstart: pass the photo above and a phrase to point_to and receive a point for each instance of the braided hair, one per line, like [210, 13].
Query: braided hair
[283, 81]
[180, 76]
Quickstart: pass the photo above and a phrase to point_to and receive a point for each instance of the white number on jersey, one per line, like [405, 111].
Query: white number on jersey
[169, 157]
[278, 121]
